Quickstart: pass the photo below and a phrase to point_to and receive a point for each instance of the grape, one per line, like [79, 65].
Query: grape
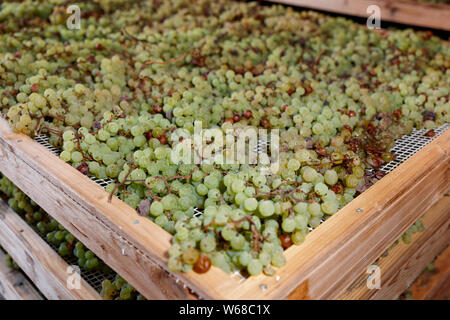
[69, 146]
[237, 242]
[191, 256]
[254, 267]
[266, 208]
[301, 221]
[288, 225]
[330, 177]
[297, 237]
[76, 156]
[65, 156]
[68, 136]
[309, 174]
[156, 208]
[238, 186]
[321, 189]
[314, 209]
[278, 260]
[351, 181]
[208, 244]
[250, 204]
[329, 207]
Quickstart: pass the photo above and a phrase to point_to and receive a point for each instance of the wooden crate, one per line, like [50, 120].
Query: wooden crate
[414, 13]
[323, 267]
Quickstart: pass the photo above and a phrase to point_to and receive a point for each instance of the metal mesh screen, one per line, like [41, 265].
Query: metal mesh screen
[407, 146]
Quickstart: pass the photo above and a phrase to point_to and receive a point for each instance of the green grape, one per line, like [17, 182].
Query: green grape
[65, 156]
[156, 208]
[288, 225]
[250, 204]
[330, 177]
[254, 267]
[190, 256]
[76, 156]
[309, 174]
[266, 208]
[278, 260]
[351, 181]
[208, 244]
[329, 207]
[320, 188]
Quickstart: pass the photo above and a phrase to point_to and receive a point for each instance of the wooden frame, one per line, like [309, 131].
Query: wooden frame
[38, 260]
[329, 260]
[429, 15]
[404, 262]
[14, 285]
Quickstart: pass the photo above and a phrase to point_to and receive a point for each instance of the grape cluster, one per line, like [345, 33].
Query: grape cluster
[120, 94]
[119, 289]
[54, 233]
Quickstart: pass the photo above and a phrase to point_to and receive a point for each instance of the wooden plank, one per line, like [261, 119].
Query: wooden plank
[322, 267]
[38, 260]
[14, 285]
[434, 285]
[404, 262]
[430, 15]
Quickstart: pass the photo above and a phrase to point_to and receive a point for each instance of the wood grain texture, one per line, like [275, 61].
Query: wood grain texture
[14, 285]
[404, 262]
[434, 285]
[430, 15]
[38, 260]
[329, 260]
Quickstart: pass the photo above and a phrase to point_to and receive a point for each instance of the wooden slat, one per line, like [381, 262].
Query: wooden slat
[404, 262]
[430, 15]
[434, 285]
[14, 285]
[38, 260]
[324, 266]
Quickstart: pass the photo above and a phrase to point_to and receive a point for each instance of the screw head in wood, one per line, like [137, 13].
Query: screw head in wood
[359, 210]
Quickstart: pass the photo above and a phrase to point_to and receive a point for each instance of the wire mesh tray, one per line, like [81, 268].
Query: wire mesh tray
[404, 148]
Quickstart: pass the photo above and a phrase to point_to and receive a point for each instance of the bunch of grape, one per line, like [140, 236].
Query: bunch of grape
[120, 94]
[54, 233]
[119, 289]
